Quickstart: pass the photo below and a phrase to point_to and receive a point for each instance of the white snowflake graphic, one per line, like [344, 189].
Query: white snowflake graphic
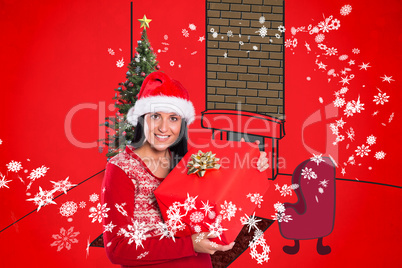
[379, 155]
[197, 228]
[281, 28]
[216, 229]
[120, 63]
[121, 209]
[371, 140]
[228, 210]
[189, 203]
[165, 231]
[351, 134]
[308, 173]
[185, 33]
[196, 216]
[381, 98]
[261, 20]
[14, 166]
[387, 78]
[38, 173]
[263, 256]
[250, 221]
[3, 182]
[171, 63]
[199, 237]
[362, 150]
[206, 207]
[339, 102]
[320, 190]
[324, 183]
[331, 51]
[62, 186]
[68, 208]
[286, 189]
[82, 204]
[345, 10]
[93, 198]
[229, 33]
[319, 38]
[317, 158]
[214, 34]
[255, 198]
[262, 31]
[192, 27]
[279, 207]
[136, 232]
[109, 227]
[142, 255]
[65, 239]
[1, 142]
[42, 198]
[98, 212]
[110, 51]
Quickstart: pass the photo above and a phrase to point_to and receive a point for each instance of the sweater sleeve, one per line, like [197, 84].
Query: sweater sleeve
[117, 190]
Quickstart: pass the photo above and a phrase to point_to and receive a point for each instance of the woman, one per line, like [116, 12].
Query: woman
[131, 235]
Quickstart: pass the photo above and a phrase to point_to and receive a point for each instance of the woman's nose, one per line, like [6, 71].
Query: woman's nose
[163, 125]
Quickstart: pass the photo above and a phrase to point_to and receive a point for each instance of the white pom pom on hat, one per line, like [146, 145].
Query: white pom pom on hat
[160, 93]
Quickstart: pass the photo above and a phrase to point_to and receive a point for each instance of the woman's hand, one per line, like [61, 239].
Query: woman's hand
[262, 163]
[202, 244]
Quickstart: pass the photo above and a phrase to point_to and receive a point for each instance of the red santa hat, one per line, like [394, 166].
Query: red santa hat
[160, 93]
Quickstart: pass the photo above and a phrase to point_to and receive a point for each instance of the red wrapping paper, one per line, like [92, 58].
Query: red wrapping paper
[221, 200]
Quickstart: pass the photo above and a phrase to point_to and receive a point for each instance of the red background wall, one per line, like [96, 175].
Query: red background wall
[54, 57]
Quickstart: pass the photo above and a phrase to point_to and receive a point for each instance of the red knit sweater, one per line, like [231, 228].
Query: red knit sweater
[130, 234]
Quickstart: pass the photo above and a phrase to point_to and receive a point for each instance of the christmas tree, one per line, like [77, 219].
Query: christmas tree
[119, 131]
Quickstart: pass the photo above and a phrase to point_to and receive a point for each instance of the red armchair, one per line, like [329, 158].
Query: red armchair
[313, 215]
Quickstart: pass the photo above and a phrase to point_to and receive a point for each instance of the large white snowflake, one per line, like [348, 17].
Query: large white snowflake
[250, 221]
[189, 203]
[228, 210]
[165, 230]
[381, 98]
[317, 159]
[14, 166]
[263, 256]
[62, 186]
[379, 155]
[308, 173]
[216, 229]
[65, 239]
[42, 198]
[120, 63]
[255, 198]
[68, 208]
[206, 207]
[262, 31]
[3, 182]
[362, 150]
[98, 212]
[135, 232]
[196, 216]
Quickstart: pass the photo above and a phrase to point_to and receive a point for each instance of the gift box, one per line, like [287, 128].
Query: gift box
[222, 200]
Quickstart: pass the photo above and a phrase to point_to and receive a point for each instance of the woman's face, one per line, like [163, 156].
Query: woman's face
[162, 129]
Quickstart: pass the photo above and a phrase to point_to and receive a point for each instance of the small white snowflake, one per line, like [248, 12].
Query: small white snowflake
[213, 244]
[255, 198]
[229, 33]
[345, 10]
[196, 217]
[136, 232]
[38, 173]
[142, 255]
[351, 134]
[317, 159]
[185, 33]
[320, 190]
[199, 237]
[331, 51]
[262, 31]
[371, 140]
[324, 183]
[387, 78]
[279, 207]
[281, 28]
[228, 210]
[93, 198]
[171, 63]
[68, 209]
[261, 20]
[206, 207]
[250, 221]
[214, 34]
[82, 204]
[339, 102]
[192, 27]
[98, 212]
[110, 51]
[379, 155]
[1, 142]
[319, 38]
[197, 228]
[65, 239]
[62, 186]
[308, 173]
[216, 229]
[3, 182]
[109, 227]
[120, 63]
[121, 209]
[381, 98]
[362, 150]
[14, 166]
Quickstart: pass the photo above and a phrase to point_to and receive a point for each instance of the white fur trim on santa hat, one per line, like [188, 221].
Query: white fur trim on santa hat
[181, 107]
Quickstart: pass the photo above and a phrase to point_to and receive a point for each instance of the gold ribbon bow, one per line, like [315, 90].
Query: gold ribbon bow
[201, 162]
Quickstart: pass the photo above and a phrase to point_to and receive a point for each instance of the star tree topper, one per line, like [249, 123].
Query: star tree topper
[144, 22]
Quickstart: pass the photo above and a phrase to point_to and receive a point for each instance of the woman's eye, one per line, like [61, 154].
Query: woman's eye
[173, 118]
[154, 116]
